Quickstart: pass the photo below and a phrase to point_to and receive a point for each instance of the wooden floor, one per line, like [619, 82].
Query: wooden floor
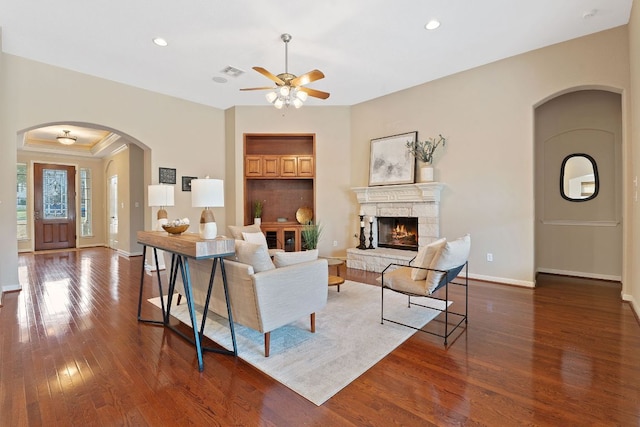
[72, 353]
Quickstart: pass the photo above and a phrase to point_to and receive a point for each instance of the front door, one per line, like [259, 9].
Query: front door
[54, 206]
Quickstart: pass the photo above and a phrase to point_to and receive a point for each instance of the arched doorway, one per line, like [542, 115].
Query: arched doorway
[97, 148]
[579, 235]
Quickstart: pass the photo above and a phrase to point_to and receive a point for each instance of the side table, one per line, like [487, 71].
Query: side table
[336, 280]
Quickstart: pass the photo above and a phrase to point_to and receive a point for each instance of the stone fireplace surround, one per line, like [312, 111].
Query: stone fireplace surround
[421, 200]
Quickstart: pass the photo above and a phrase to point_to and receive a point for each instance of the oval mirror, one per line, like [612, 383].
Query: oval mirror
[579, 178]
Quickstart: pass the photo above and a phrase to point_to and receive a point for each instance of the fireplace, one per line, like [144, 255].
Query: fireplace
[398, 233]
[420, 202]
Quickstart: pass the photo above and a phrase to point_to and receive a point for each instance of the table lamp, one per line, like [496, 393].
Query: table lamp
[207, 193]
[161, 195]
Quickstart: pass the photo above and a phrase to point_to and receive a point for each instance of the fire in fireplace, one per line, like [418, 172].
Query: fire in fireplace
[398, 233]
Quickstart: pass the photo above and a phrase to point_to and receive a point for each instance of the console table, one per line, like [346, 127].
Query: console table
[182, 248]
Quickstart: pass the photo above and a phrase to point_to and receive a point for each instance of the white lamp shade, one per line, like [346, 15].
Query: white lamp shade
[160, 195]
[207, 193]
[271, 96]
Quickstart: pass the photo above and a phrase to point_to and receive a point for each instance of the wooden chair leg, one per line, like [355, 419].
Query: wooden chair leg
[267, 343]
[313, 322]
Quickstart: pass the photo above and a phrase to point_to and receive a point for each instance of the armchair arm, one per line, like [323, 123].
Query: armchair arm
[288, 293]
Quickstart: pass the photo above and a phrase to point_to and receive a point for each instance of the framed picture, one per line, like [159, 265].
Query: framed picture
[391, 162]
[167, 176]
[186, 182]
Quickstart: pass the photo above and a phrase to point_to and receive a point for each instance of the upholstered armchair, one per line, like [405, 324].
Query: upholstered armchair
[436, 266]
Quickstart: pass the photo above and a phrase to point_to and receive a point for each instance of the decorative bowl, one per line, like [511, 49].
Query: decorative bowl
[304, 215]
[175, 229]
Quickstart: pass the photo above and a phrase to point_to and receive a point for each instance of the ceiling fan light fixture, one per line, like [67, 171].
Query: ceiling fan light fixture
[297, 103]
[66, 138]
[278, 103]
[271, 97]
[302, 96]
[284, 91]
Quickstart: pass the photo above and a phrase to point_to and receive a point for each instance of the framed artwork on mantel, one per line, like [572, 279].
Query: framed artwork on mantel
[391, 162]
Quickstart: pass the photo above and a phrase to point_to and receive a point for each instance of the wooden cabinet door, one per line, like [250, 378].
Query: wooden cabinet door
[305, 166]
[253, 166]
[289, 166]
[271, 166]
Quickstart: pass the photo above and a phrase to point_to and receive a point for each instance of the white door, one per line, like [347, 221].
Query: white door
[113, 212]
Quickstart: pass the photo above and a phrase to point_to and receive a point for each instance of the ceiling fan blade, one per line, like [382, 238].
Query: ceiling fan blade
[269, 75]
[258, 88]
[315, 93]
[309, 77]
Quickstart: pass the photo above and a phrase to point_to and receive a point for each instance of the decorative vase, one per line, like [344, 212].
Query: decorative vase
[257, 221]
[425, 172]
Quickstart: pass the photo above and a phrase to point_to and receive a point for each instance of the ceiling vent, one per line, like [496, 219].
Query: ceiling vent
[232, 71]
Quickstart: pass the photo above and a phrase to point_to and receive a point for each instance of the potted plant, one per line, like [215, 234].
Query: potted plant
[311, 235]
[257, 212]
[423, 152]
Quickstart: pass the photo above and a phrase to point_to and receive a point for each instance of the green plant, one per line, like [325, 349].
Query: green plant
[311, 235]
[423, 150]
[257, 209]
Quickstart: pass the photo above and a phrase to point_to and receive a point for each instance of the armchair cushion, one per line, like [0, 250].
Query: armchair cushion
[236, 230]
[257, 238]
[453, 254]
[283, 259]
[400, 280]
[255, 255]
[425, 257]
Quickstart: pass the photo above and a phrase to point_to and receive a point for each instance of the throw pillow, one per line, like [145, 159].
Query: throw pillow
[256, 256]
[425, 257]
[236, 230]
[452, 255]
[283, 259]
[257, 238]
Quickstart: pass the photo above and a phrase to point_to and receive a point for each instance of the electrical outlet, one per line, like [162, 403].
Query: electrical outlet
[489, 256]
[335, 243]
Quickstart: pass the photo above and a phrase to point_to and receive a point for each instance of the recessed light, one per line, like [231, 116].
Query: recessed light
[432, 25]
[159, 41]
[219, 79]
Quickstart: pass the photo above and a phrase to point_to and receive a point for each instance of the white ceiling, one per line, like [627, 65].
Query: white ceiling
[366, 48]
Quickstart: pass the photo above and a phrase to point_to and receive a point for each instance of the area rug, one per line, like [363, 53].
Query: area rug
[349, 339]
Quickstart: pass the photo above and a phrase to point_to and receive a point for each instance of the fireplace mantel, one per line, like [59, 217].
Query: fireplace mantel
[419, 192]
[420, 200]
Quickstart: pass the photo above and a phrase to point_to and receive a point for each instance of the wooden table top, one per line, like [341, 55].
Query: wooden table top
[188, 244]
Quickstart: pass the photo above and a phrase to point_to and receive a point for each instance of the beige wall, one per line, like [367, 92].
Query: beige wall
[487, 166]
[631, 266]
[177, 130]
[97, 181]
[127, 165]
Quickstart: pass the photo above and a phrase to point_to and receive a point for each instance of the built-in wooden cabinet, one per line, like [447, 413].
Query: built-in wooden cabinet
[278, 166]
[279, 171]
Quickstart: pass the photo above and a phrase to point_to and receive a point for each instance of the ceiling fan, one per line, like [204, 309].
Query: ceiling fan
[289, 89]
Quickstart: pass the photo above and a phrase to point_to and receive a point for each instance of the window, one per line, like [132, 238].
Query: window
[21, 201]
[579, 180]
[86, 226]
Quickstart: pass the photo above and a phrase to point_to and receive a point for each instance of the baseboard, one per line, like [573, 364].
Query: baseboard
[608, 277]
[502, 280]
[10, 288]
[634, 305]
